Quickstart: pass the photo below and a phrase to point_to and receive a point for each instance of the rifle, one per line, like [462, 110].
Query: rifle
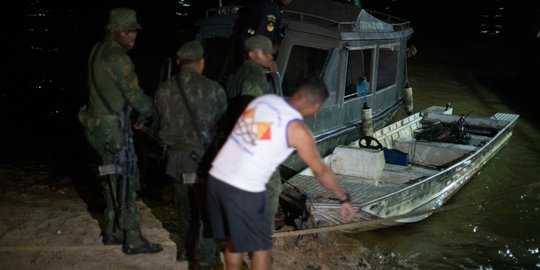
[124, 166]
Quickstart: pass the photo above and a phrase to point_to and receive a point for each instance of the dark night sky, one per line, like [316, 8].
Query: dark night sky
[58, 44]
[42, 75]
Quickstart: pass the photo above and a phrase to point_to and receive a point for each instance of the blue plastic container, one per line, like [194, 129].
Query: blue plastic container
[396, 157]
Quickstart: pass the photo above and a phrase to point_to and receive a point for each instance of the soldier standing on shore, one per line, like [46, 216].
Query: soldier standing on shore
[113, 93]
[189, 107]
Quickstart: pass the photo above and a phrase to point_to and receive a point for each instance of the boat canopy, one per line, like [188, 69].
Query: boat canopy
[367, 23]
[343, 21]
[368, 26]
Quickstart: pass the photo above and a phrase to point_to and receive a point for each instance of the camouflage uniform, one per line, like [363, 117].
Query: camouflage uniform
[114, 90]
[249, 80]
[208, 102]
[247, 83]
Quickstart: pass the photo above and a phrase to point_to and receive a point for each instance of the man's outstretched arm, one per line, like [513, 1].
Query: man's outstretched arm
[301, 138]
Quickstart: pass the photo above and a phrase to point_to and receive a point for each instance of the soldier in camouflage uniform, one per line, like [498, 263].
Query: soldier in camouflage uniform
[250, 79]
[187, 128]
[113, 92]
[249, 82]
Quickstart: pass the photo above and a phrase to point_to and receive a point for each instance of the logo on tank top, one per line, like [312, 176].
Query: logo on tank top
[250, 130]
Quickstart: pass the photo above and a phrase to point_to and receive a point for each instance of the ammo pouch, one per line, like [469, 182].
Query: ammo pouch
[191, 164]
[103, 126]
[87, 120]
[190, 178]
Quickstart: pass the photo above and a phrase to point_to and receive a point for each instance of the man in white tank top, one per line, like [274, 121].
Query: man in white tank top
[267, 132]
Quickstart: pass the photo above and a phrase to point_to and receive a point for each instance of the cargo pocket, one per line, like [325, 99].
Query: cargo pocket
[87, 119]
[109, 129]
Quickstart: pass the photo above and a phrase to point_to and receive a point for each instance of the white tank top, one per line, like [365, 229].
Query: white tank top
[257, 144]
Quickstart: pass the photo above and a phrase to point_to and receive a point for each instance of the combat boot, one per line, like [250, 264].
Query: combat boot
[146, 247]
[136, 244]
[112, 239]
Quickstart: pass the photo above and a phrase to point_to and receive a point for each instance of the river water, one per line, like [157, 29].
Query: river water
[501, 232]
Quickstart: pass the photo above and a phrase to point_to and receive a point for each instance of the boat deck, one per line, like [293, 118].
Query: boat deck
[362, 190]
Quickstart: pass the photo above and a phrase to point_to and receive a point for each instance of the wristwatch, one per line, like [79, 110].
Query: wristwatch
[347, 198]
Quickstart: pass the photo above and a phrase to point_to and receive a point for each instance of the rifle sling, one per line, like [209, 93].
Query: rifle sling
[183, 146]
[190, 112]
[92, 76]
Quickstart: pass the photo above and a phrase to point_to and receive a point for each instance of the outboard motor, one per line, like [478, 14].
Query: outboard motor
[453, 133]
[458, 132]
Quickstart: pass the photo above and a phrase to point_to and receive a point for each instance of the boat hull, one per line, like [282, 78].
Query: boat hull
[405, 194]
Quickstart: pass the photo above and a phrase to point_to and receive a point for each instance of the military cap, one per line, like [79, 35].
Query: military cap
[121, 19]
[259, 42]
[191, 50]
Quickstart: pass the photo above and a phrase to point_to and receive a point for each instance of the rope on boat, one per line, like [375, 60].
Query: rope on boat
[373, 223]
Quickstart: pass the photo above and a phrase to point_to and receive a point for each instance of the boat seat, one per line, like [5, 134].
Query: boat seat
[358, 162]
[436, 154]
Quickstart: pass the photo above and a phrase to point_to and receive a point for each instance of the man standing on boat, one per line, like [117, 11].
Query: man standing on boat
[265, 19]
[249, 82]
[189, 106]
[267, 132]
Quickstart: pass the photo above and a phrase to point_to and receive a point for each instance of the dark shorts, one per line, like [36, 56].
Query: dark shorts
[244, 217]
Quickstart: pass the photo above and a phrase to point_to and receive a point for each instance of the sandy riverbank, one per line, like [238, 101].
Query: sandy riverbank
[48, 226]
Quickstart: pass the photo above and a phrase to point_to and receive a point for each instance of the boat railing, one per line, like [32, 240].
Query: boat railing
[224, 10]
[397, 23]
[303, 16]
[235, 9]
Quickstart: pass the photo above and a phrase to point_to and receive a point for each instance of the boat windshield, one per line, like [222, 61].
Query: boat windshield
[387, 66]
[303, 62]
[359, 66]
